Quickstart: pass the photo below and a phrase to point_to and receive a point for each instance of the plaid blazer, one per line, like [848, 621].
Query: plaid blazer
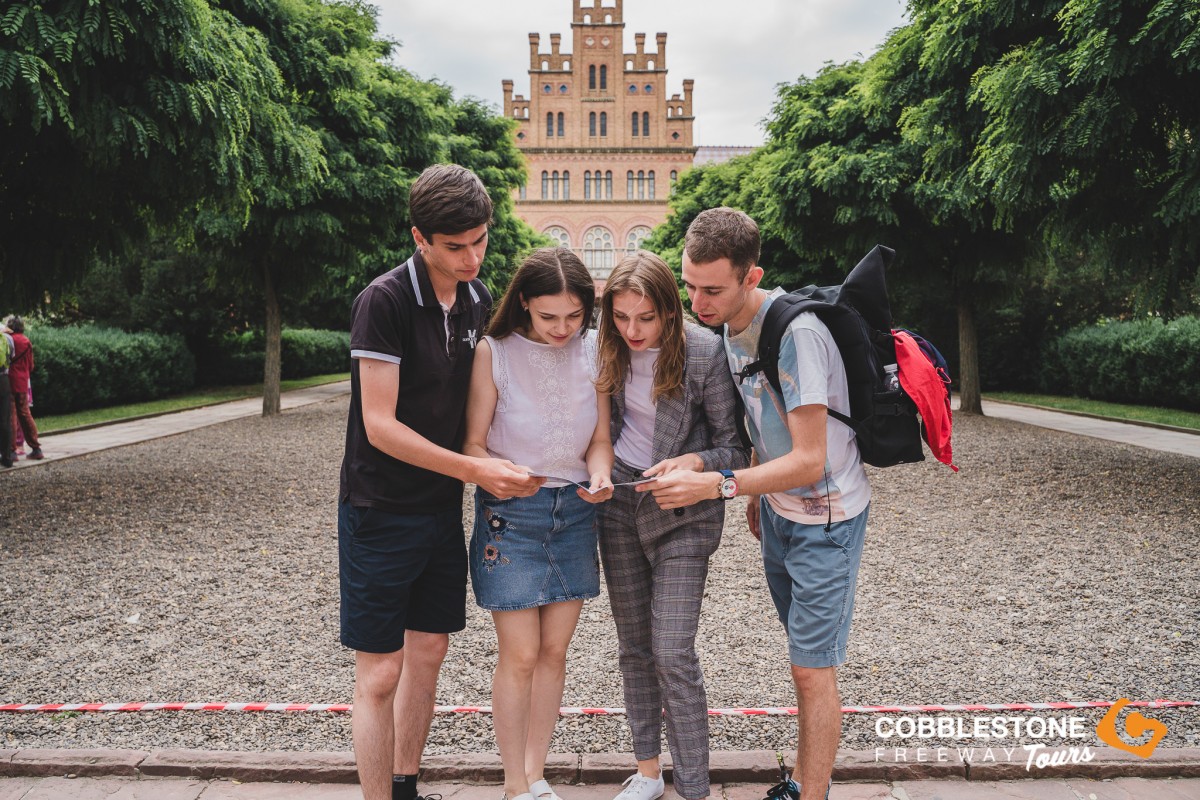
[700, 419]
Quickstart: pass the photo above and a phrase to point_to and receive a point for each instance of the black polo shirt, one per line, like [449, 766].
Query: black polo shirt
[398, 319]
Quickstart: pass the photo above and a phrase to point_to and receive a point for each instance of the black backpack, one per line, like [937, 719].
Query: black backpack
[859, 317]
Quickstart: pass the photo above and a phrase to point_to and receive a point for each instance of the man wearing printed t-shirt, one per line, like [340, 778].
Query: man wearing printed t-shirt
[808, 493]
[402, 552]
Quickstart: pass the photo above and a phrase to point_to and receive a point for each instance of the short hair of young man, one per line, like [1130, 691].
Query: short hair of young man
[724, 233]
[546, 271]
[15, 324]
[448, 199]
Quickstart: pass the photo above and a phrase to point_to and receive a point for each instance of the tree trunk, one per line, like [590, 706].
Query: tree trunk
[970, 401]
[273, 333]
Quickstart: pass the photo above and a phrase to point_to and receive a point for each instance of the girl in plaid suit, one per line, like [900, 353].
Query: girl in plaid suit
[673, 407]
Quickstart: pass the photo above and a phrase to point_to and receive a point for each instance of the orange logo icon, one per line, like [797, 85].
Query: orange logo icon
[1136, 726]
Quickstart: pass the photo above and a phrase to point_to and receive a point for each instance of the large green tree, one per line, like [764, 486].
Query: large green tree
[116, 117]
[1092, 123]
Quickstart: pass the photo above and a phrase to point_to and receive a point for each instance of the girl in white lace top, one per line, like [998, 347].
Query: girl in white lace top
[533, 559]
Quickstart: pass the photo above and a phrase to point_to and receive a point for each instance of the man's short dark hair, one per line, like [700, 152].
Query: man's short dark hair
[448, 199]
[724, 233]
[15, 324]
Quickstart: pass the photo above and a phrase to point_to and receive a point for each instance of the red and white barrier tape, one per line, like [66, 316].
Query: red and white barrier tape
[342, 708]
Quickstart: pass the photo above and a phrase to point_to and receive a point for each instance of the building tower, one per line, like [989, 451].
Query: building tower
[603, 141]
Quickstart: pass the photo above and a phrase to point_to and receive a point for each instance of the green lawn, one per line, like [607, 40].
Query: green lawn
[201, 397]
[1161, 416]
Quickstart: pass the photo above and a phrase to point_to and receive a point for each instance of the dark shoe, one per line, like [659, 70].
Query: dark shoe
[6, 462]
[786, 789]
[36, 455]
[13, 456]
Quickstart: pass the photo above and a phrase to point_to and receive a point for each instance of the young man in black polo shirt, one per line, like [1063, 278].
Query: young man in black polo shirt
[401, 545]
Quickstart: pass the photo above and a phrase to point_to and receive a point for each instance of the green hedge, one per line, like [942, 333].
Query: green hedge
[235, 360]
[1147, 362]
[89, 367]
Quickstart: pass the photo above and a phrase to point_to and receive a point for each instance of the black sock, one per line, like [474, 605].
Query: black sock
[404, 787]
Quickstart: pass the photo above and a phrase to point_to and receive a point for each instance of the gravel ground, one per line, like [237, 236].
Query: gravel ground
[203, 567]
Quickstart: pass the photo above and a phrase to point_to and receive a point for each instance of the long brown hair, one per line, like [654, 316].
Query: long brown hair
[549, 270]
[645, 274]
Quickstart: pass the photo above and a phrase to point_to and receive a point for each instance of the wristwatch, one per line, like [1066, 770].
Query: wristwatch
[728, 487]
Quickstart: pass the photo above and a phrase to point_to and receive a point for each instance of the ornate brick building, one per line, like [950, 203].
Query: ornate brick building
[603, 140]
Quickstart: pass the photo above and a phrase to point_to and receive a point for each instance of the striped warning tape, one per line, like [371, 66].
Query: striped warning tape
[341, 708]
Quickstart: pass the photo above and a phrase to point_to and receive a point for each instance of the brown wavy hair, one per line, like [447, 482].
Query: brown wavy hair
[546, 271]
[645, 274]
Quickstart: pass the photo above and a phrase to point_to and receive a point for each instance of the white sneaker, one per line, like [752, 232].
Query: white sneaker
[639, 787]
[543, 791]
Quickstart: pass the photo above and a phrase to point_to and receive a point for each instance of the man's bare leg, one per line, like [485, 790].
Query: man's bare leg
[416, 697]
[375, 678]
[820, 729]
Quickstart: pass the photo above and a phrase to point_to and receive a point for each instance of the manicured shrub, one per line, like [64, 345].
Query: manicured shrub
[1146, 362]
[236, 360]
[89, 367]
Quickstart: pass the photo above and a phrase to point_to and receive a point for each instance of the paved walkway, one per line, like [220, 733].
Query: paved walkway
[58, 446]
[1130, 433]
[61, 788]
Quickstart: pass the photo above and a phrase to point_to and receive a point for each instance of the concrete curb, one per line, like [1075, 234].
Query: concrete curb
[754, 766]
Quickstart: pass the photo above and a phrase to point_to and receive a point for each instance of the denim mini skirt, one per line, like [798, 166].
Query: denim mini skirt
[532, 551]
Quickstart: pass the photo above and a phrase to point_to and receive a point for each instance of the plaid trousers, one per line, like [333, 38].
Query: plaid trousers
[655, 566]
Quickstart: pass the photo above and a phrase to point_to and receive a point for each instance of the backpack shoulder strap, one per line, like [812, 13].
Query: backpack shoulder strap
[779, 316]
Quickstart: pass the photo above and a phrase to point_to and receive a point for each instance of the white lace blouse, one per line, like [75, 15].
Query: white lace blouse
[545, 405]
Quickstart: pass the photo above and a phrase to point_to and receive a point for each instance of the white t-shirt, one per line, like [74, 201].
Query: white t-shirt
[635, 445]
[810, 372]
[545, 404]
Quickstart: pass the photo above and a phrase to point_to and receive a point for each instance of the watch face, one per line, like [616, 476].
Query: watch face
[729, 488]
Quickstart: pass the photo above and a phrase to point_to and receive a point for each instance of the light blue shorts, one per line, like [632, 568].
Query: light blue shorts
[533, 551]
[812, 576]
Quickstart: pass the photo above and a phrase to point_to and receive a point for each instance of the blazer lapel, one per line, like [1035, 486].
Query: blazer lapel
[669, 414]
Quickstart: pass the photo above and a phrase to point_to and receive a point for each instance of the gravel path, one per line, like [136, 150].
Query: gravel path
[203, 567]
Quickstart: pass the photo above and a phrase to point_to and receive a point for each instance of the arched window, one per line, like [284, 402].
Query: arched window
[562, 88]
[641, 185]
[546, 89]
[604, 123]
[545, 64]
[645, 123]
[650, 87]
[549, 124]
[587, 185]
[679, 111]
[592, 123]
[608, 19]
[587, 19]
[566, 65]
[561, 127]
[554, 185]
[636, 236]
[629, 65]
[521, 192]
[517, 112]
[632, 88]
[566, 184]
[559, 235]
[597, 186]
[650, 184]
[603, 77]
[526, 112]
[629, 185]
[608, 185]
[650, 64]
[545, 185]
[670, 111]
[674, 176]
[635, 123]
[591, 76]
[598, 249]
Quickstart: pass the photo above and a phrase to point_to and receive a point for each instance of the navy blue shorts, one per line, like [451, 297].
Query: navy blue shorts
[398, 572]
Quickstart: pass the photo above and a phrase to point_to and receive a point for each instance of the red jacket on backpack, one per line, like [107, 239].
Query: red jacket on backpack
[920, 379]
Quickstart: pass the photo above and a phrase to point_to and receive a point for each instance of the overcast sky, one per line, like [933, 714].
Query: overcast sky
[737, 57]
